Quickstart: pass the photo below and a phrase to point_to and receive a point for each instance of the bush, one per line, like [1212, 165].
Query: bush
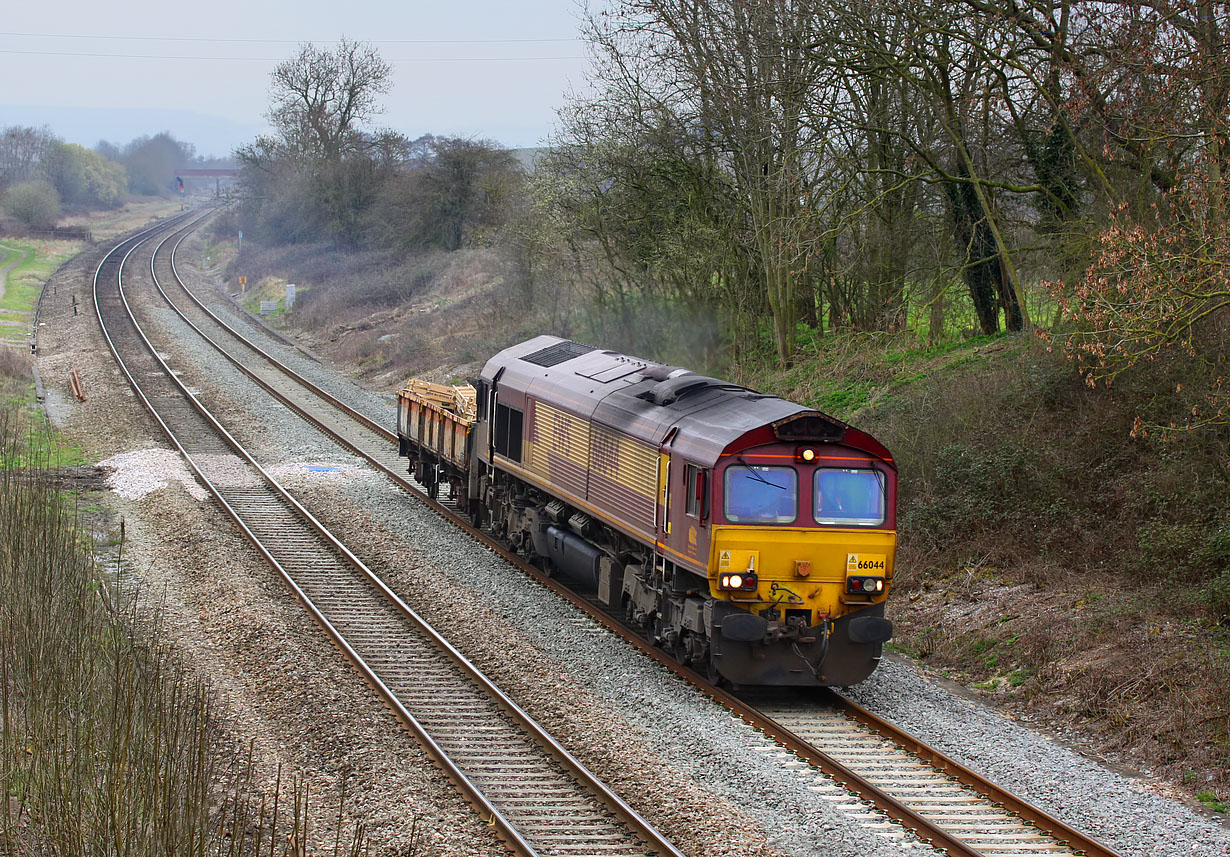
[36, 204]
[13, 364]
[83, 177]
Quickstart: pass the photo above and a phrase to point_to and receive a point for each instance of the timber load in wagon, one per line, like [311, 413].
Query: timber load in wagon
[461, 400]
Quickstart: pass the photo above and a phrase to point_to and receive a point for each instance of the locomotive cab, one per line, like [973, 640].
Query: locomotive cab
[802, 555]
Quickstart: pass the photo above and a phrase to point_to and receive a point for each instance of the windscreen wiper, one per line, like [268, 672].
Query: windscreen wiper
[757, 476]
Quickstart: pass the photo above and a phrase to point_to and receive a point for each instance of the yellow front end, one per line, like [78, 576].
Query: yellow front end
[801, 569]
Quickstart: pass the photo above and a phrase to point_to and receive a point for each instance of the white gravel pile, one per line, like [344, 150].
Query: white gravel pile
[133, 475]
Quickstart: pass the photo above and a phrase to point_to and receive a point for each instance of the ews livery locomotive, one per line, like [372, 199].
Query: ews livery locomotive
[751, 537]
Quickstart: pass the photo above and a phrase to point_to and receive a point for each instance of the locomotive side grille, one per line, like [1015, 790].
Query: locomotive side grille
[559, 447]
[623, 477]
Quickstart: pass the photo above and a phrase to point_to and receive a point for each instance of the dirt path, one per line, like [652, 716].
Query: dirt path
[5, 253]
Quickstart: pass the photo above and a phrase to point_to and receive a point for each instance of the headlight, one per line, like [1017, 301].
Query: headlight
[744, 582]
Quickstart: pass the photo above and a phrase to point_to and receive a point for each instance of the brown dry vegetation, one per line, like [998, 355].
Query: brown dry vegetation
[14, 366]
[109, 742]
[438, 314]
[135, 213]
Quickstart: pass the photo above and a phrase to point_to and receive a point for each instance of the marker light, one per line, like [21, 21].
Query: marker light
[865, 585]
[806, 454]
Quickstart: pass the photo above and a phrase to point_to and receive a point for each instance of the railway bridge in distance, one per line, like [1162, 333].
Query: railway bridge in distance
[199, 176]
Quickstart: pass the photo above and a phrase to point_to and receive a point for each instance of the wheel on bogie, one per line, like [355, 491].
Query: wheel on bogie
[475, 513]
[653, 629]
[681, 650]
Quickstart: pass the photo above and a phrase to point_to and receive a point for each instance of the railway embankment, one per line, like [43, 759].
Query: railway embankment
[1052, 560]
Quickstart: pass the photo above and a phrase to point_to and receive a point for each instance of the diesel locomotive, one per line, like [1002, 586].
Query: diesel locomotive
[749, 536]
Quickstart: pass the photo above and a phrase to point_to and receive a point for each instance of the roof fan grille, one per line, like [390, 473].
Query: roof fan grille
[558, 353]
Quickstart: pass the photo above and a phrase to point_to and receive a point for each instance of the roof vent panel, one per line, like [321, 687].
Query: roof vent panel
[560, 352]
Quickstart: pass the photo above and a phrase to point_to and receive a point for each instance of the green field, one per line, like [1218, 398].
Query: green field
[22, 287]
[25, 282]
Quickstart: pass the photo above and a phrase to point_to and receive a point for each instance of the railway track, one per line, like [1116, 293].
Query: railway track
[539, 799]
[917, 786]
[976, 816]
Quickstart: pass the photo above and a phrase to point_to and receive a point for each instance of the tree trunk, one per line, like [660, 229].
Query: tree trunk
[981, 269]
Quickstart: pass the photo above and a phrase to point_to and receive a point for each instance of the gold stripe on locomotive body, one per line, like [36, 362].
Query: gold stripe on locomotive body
[752, 537]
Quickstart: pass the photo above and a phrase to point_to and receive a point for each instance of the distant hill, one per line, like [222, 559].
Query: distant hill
[529, 156]
[211, 135]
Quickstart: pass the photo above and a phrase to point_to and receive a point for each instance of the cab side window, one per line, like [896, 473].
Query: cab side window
[507, 435]
[694, 489]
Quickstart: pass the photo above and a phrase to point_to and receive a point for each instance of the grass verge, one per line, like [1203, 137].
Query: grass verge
[25, 283]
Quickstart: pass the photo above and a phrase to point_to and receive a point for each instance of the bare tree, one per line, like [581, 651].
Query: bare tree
[21, 153]
[737, 76]
[321, 97]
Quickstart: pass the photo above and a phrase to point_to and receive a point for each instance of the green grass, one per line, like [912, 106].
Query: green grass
[268, 289]
[1212, 802]
[39, 442]
[25, 283]
[846, 373]
[51, 447]
[22, 289]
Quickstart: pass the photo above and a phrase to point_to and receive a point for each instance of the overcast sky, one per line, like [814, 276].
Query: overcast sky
[480, 68]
